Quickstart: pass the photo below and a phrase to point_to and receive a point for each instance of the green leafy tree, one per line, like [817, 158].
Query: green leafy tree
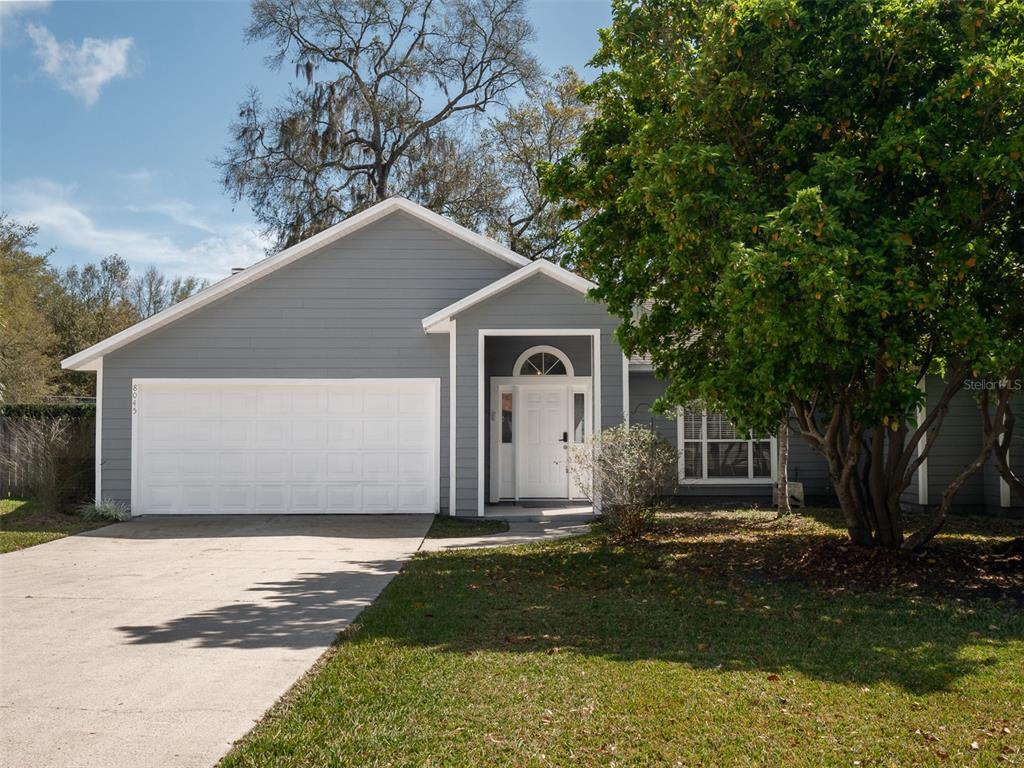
[26, 337]
[803, 207]
[530, 136]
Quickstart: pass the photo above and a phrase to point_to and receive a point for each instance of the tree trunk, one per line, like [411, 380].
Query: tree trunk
[919, 538]
[782, 490]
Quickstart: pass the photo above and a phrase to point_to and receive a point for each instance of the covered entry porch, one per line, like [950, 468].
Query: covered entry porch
[538, 401]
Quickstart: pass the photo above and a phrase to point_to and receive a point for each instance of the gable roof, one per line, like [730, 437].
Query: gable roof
[438, 322]
[85, 360]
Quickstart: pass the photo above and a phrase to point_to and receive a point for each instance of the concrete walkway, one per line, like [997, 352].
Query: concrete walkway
[517, 533]
[160, 641]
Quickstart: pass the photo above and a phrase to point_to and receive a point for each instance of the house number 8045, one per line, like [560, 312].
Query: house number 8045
[135, 399]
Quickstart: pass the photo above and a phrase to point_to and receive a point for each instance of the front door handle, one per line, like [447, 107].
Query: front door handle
[565, 437]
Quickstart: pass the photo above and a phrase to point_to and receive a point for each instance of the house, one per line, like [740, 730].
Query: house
[396, 362]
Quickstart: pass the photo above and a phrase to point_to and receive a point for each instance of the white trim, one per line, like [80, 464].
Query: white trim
[481, 413]
[513, 384]
[547, 348]
[136, 496]
[625, 390]
[922, 468]
[595, 371]
[138, 387]
[453, 341]
[434, 323]
[98, 451]
[273, 263]
[723, 481]
[1004, 487]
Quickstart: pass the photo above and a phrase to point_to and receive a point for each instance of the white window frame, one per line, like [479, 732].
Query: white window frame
[705, 480]
[546, 349]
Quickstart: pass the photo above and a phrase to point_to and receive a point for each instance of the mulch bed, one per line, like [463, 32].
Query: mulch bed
[957, 571]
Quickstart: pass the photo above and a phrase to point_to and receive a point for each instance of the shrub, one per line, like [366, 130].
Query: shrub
[624, 471]
[107, 509]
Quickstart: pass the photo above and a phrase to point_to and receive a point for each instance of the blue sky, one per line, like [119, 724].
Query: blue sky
[111, 113]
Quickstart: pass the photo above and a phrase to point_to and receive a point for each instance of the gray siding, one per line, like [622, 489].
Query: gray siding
[351, 310]
[805, 464]
[539, 302]
[957, 444]
[503, 351]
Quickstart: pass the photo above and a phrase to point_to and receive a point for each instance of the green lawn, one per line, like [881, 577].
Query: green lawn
[701, 647]
[23, 524]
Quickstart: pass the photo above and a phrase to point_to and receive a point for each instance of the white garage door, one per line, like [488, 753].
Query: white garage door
[285, 446]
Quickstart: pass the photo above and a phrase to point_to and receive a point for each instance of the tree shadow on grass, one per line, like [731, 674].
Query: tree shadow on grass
[710, 593]
[721, 603]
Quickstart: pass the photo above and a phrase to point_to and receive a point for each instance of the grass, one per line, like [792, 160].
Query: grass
[698, 647]
[445, 527]
[23, 524]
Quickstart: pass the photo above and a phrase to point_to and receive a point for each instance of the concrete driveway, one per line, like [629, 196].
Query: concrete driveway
[158, 642]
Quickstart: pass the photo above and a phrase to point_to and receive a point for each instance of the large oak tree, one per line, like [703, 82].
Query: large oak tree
[803, 208]
[385, 90]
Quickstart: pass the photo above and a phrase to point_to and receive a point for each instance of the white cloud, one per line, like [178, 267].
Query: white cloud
[10, 8]
[81, 69]
[67, 224]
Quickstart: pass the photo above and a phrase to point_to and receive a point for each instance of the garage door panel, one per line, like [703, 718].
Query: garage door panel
[307, 403]
[379, 403]
[306, 498]
[270, 498]
[271, 466]
[236, 433]
[346, 403]
[379, 498]
[414, 467]
[273, 402]
[163, 467]
[344, 498]
[410, 497]
[162, 433]
[309, 435]
[238, 402]
[346, 433]
[162, 498]
[344, 466]
[273, 434]
[199, 498]
[411, 434]
[236, 466]
[236, 498]
[201, 433]
[198, 466]
[379, 465]
[307, 466]
[379, 434]
[338, 446]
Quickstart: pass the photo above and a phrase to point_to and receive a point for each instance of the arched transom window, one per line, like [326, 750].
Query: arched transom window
[543, 361]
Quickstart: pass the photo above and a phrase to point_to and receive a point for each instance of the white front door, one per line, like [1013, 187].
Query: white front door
[541, 451]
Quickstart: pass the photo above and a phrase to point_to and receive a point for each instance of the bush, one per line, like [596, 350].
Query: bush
[107, 509]
[48, 410]
[52, 456]
[624, 471]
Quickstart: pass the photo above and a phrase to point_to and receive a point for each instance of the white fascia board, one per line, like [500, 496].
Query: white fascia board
[436, 323]
[81, 360]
